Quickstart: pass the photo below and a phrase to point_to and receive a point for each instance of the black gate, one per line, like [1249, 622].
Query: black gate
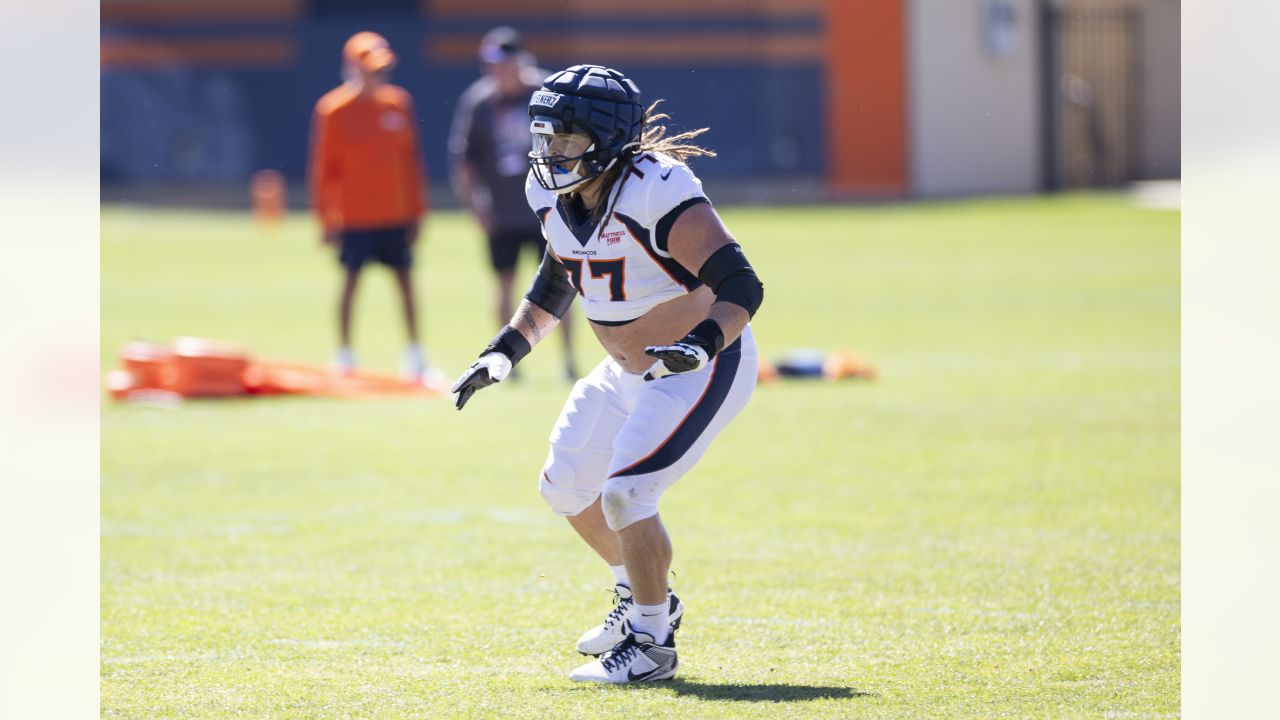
[1092, 94]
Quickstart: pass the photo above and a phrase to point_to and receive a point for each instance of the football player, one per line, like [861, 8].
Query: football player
[669, 294]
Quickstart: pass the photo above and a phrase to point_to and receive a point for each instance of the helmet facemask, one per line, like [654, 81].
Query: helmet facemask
[562, 161]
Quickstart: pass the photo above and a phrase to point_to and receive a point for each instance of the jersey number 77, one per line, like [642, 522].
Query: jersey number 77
[615, 269]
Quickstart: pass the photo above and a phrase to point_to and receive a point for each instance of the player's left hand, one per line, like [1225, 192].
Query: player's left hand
[681, 357]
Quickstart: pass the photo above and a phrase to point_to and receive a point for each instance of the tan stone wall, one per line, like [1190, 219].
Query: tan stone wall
[974, 114]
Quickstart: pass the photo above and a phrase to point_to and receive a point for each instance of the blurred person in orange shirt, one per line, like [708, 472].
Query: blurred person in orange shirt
[489, 146]
[367, 185]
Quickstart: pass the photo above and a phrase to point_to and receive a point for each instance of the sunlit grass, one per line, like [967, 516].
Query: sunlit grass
[991, 529]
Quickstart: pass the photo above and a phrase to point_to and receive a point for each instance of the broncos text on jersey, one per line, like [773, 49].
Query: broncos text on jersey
[621, 266]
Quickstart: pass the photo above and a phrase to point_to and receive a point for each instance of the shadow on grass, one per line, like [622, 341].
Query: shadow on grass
[759, 692]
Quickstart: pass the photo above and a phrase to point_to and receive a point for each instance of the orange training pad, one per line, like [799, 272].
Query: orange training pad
[196, 367]
[285, 377]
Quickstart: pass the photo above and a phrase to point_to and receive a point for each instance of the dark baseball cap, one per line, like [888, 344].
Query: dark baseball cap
[500, 43]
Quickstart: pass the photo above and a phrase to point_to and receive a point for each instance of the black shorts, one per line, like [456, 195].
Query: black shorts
[389, 246]
[504, 247]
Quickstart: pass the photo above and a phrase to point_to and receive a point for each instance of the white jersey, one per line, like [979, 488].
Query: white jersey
[623, 269]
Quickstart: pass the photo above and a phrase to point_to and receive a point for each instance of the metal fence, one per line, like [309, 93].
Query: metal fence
[1092, 95]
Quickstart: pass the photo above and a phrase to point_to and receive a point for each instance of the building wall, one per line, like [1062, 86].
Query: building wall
[208, 91]
[876, 98]
[974, 104]
[866, 98]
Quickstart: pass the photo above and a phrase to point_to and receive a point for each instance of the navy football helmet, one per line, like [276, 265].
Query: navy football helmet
[584, 119]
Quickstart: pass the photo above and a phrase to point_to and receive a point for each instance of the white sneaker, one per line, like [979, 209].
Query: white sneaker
[344, 361]
[636, 659]
[602, 638]
[413, 363]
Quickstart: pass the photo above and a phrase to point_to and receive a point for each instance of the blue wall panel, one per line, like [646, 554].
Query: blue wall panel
[209, 124]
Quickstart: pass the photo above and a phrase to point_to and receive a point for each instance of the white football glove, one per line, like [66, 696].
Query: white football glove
[489, 369]
[681, 357]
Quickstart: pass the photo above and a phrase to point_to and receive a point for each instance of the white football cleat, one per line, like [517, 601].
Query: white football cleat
[636, 659]
[602, 638]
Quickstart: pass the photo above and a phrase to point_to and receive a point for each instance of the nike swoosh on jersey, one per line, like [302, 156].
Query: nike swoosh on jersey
[666, 174]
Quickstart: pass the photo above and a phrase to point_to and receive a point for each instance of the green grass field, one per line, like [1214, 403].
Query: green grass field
[992, 529]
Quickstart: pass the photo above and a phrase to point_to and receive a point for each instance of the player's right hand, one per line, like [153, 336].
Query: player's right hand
[482, 373]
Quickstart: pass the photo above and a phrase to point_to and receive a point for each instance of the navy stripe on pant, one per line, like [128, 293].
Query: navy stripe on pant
[679, 442]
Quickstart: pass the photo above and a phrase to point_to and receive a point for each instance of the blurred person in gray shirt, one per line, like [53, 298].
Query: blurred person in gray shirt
[489, 147]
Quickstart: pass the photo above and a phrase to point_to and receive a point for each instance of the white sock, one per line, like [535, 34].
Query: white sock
[652, 619]
[620, 574]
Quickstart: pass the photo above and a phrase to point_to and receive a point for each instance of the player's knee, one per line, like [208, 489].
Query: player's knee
[622, 503]
[558, 488]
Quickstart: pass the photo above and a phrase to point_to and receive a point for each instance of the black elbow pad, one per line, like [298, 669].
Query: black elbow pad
[551, 289]
[732, 278]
